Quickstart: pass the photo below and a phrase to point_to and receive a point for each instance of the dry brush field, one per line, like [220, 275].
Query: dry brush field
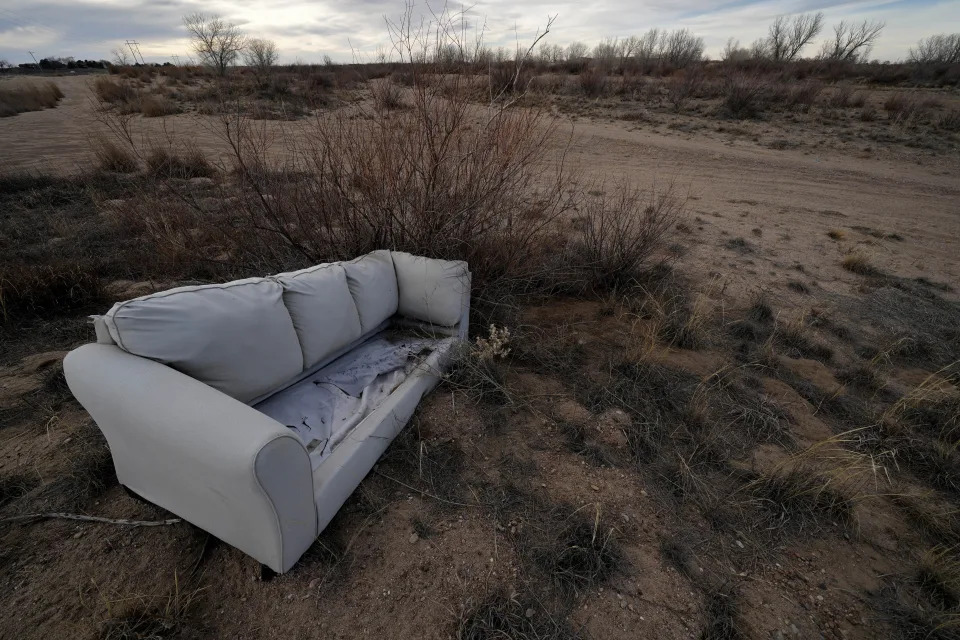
[728, 405]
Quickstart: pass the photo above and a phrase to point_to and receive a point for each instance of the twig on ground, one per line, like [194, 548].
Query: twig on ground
[83, 518]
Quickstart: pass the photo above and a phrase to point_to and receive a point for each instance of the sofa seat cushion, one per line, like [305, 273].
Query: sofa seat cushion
[431, 290]
[373, 285]
[324, 407]
[323, 312]
[236, 337]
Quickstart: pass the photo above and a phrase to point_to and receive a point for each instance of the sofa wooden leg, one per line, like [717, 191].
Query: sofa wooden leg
[266, 573]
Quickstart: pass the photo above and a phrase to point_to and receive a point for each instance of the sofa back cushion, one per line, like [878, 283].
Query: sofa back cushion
[237, 337]
[323, 311]
[373, 284]
[431, 290]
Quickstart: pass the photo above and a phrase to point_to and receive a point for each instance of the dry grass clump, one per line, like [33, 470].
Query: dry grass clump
[516, 617]
[153, 616]
[938, 573]
[798, 499]
[836, 234]
[54, 288]
[113, 156]
[20, 97]
[170, 163]
[575, 549]
[155, 106]
[800, 342]
[859, 263]
[113, 92]
[723, 615]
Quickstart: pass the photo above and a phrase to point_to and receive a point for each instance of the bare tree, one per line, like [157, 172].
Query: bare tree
[733, 52]
[683, 48]
[5, 65]
[120, 57]
[938, 49]
[788, 35]
[216, 41]
[576, 50]
[260, 55]
[852, 42]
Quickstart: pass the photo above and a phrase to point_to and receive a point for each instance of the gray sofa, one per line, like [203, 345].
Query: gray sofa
[253, 409]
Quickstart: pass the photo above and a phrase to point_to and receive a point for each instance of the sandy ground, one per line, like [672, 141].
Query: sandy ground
[902, 210]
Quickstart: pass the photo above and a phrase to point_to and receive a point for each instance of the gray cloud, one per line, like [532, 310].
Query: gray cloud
[309, 29]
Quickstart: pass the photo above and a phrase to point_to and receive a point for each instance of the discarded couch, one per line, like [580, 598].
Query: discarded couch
[253, 409]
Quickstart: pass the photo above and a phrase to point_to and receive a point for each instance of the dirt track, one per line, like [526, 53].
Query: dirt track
[735, 187]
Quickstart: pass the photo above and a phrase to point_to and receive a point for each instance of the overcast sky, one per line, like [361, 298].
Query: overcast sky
[345, 30]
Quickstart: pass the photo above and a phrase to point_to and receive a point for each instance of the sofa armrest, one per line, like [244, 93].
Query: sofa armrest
[199, 453]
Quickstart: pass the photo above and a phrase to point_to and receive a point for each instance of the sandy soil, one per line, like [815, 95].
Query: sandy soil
[757, 220]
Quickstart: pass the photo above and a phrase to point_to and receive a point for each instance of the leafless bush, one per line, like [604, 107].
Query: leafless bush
[743, 97]
[593, 83]
[803, 94]
[621, 233]
[386, 95]
[902, 107]
[19, 97]
[841, 96]
[683, 86]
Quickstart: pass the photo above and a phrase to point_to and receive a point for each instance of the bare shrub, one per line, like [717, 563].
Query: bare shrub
[386, 95]
[19, 97]
[593, 83]
[902, 107]
[681, 87]
[620, 233]
[803, 94]
[743, 96]
[841, 96]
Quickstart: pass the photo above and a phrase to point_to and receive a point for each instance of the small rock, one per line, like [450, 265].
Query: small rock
[414, 537]
[739, 544]
[529, 613]
[595, 487]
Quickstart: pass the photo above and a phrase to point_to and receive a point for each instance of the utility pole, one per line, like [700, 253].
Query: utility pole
[34, 58]
[131, 44]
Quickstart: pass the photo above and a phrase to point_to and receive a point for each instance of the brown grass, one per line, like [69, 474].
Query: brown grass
[111, 91]
[20, 97]
[154, 106]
